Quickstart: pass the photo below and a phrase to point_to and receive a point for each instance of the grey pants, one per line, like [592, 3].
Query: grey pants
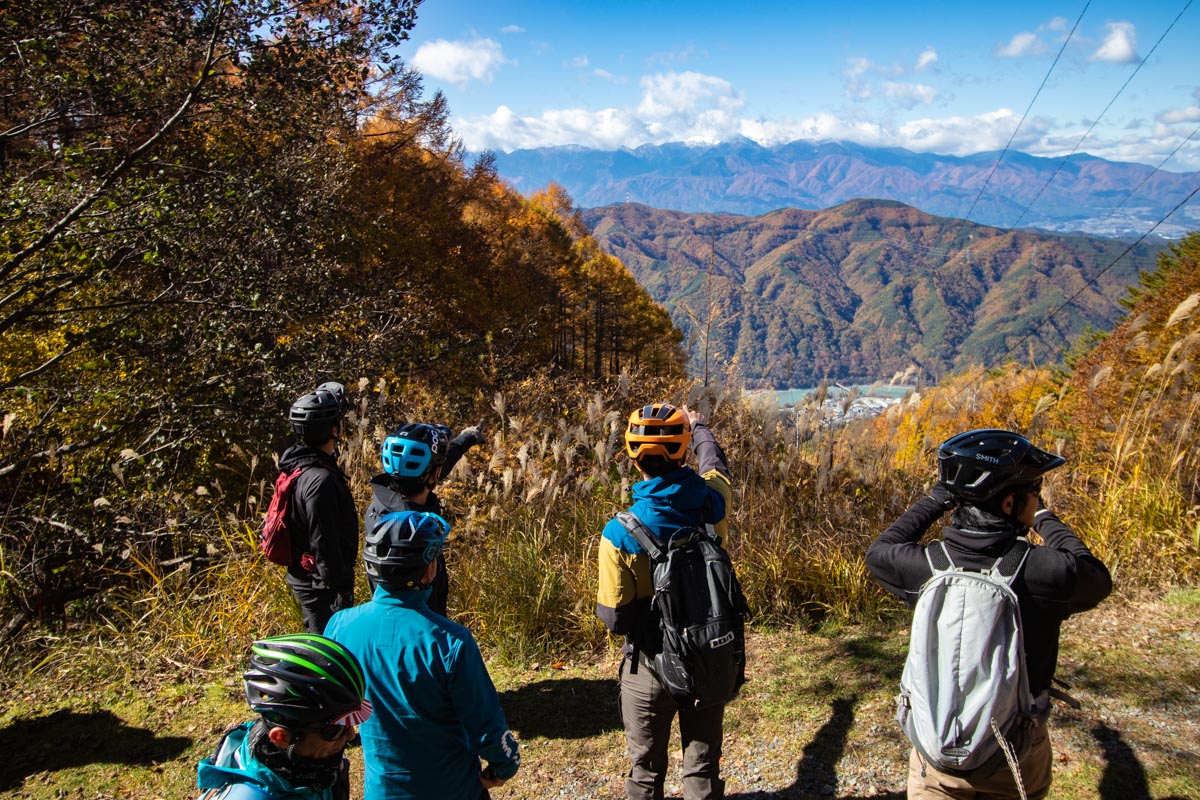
[647, 710]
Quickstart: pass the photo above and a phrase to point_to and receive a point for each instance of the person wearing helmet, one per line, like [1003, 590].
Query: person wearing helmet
[670, 496]
[321, 516]
[991, 479]
[436, 711]
[415, 457]
[309, 693]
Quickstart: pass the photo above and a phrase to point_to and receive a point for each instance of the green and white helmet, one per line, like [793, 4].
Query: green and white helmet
[301, 679]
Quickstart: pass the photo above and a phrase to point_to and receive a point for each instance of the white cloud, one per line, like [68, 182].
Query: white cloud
[910, 95]
[1119, 45]
[1058, 24]
[578, 62]
[703, 109]
[460, 62]
[966, 135]
[1174, 116]
[512, 29]
[928, 57]
[608, 76]
[855, 69]
[699, 108]
[673, 93]
[1023, 44]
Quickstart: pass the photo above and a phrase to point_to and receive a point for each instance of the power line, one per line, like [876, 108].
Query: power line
[1096, 121]
[1029, 108]
[1150, 175]
[1096, 277]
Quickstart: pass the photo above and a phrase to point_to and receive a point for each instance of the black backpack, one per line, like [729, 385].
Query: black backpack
[701, 613]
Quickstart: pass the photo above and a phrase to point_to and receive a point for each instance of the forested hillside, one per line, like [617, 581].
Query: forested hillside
[209, 208]
[866, 289]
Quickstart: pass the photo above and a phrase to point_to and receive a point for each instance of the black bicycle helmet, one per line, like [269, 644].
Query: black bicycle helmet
[314, 415]
[401, 545]
[979, 465]
[415, 451]
[301, 679]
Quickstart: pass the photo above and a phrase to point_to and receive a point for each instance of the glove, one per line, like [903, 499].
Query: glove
[942, 494]
[474, 434]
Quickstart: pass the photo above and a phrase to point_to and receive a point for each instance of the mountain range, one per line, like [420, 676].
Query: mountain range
[866, 289]
[1083, 193]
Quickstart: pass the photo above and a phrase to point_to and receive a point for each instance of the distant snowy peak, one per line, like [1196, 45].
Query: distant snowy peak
[740, 176]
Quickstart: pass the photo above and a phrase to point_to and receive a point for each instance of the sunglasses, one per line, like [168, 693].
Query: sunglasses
[329, 732]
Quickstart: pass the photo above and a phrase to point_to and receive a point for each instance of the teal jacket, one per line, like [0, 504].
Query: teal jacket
[233, 773]
[436, 712]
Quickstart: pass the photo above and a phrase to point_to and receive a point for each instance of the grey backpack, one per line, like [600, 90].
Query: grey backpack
[965, 684]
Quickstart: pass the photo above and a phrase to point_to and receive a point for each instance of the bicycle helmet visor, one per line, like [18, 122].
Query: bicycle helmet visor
[415, 450]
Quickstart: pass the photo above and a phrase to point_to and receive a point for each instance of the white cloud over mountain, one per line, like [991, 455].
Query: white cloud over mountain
[460, 62]
[690, 106]
[909, 95]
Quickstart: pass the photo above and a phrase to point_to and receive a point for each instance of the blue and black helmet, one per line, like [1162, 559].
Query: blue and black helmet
[415, 451]
[402, 544]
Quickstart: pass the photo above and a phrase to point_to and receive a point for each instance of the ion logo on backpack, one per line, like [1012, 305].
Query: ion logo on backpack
[275, 539]
[965, 683]
[701, 612]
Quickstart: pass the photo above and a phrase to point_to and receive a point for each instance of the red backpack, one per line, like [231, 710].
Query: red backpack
[275, 540]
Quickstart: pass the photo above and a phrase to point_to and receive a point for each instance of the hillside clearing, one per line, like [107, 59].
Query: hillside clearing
[815, 720]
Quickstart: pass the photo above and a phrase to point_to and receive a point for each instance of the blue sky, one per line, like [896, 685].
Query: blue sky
[944, 77]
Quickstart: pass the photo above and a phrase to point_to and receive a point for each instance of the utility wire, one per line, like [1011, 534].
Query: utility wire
[1096, 277]
[1150, 175]
[1029, 108]
[1096, 121]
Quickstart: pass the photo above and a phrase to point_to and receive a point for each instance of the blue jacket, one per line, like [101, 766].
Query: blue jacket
[436, 712]
[680, 498]
[233, 773]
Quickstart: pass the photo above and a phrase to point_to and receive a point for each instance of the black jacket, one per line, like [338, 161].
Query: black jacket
[1060, 578]
[322, 512]
[386, 498]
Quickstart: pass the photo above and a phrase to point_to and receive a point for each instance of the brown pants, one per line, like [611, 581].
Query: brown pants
[1035, 776]
[647, 710]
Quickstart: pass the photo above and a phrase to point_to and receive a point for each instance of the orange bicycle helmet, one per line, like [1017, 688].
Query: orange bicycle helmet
[660, 429]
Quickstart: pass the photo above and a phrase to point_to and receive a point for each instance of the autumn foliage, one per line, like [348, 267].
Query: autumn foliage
[208, 208]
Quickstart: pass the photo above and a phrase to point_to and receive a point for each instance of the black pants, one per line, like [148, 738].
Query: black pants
[317, 605]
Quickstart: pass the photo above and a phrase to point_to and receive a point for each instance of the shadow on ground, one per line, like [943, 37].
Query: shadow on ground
[68, 739]
[563, 708]
[816, 773]
[1124, 776]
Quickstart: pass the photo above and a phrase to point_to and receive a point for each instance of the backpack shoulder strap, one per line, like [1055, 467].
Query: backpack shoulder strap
[1009, 564]
[939, 560]
[641, 534]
